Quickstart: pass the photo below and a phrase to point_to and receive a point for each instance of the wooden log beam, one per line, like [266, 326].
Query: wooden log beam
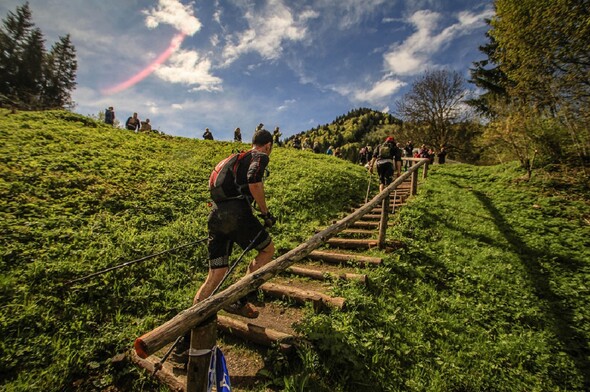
[154, 340]
[302, 296]
[254, 333]
[344, 257]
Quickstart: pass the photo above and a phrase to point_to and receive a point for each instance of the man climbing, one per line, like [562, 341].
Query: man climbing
[232, 221]
[386, 156]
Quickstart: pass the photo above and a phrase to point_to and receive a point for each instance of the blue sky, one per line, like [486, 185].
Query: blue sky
[228, 64]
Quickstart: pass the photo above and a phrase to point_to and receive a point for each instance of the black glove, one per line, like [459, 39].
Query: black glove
[269, 219]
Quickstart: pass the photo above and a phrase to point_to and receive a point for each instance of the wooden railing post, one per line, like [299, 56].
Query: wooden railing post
[414, 183]
[383, 222]
[203, 339]
[425, 172]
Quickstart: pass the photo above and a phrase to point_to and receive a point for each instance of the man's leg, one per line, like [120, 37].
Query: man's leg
[213, 278]
[263, 257]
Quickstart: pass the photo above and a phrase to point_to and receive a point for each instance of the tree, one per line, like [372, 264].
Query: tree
[29, 76]
[60, 73]
[433, 104]
[489, 77]
[13, 37]
[543, 48]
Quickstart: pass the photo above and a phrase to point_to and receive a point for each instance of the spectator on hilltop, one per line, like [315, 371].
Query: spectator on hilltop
[109, 116]
[276, 136]
[145, 126]
[133, 123]
[316, 147]
[408, 153]
[442, 155]
[238, 135]
[306, 144]
[207, 135]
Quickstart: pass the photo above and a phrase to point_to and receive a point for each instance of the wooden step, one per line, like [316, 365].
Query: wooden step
[301, 296]
[358, 232]
[352, 243]
[332, 257]
[326, 275]
[365, 224]
[252, 332]
[166, 375]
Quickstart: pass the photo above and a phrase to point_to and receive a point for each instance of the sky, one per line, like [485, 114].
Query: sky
[221, 64]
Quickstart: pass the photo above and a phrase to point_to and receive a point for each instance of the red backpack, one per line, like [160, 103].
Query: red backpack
[223, 182]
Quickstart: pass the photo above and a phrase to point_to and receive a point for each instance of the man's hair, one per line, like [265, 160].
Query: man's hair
[261, 137]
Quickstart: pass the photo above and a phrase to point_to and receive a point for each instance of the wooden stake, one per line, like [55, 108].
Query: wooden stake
[203, 338]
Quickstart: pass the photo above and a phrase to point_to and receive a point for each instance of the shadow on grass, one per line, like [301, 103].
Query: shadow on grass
[559, 316]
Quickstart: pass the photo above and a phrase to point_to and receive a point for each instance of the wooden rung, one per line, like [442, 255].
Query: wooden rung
[358, 232]
[324, 275]
[302, 296]
[332, 257]
[365, 224]
[164, 375]
[254, 333]
[353, 243]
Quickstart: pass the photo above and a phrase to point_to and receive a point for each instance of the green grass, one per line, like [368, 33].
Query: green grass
[491, 292]
[77, 197]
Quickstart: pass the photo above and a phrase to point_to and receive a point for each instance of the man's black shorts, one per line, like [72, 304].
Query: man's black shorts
[229, 222]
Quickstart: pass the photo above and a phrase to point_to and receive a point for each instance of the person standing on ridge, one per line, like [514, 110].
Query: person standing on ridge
[109, 116]
[238, 135]
[207, 135]
[276, 136]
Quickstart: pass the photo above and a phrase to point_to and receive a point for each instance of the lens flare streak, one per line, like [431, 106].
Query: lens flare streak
[173, 47]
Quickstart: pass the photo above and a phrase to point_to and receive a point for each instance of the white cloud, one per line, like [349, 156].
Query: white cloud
[268, 30]
[413, 56]
[379, 91]
[286, 104]
[174, 13]
[188, 68]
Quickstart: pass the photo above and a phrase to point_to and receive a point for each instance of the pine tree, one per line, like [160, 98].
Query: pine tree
[60, 74]
[13, 38]
[29, 76]
[488, 76]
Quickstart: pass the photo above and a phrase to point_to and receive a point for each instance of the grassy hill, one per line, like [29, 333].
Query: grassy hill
[491, 292]
[77, 197]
